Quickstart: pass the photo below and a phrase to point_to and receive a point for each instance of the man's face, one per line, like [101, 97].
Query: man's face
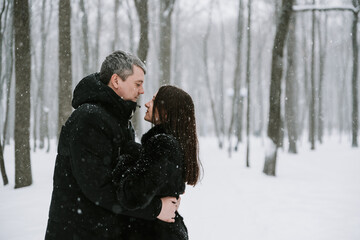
[132, 87]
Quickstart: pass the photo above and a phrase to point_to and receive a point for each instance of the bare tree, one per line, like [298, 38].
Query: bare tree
[207, 76]
[355, 87]
[322, 36]
[4, 9]
[237, 73]
[98, 33]
[40, 108]
[166, 10]
[131, 26]
[313, 86]
[84, 29]
[355, 105]
[8, 76]
[275, 87]
[248, 80]
[143, 47]
[291, 86]
[65, 78]
[2, 166]
[303, 112]
[115, 43]
[176, 52]
[221, 78]
[142, 11]
[23, 175]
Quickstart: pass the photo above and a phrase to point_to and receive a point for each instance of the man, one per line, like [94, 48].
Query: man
[84, 204]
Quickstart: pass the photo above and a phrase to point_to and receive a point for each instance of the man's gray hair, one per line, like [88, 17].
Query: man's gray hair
[120, 63]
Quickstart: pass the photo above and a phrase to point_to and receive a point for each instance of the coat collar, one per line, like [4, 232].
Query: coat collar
[91, 90]
[157, 129]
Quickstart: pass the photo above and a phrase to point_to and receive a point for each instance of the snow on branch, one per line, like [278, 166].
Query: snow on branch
[304, 8]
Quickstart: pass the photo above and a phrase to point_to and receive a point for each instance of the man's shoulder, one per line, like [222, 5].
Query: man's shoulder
[88, 112]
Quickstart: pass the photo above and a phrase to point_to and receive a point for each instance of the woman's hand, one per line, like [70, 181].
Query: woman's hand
[169, 206]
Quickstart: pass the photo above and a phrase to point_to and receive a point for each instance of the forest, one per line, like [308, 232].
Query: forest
[282, 71]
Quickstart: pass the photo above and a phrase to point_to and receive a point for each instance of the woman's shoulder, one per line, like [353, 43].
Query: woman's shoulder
[157, 133]
[159, 139]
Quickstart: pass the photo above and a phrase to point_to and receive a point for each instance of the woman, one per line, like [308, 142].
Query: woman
[166, 160]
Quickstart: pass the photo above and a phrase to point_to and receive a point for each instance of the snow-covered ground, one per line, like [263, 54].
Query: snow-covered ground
[316, 195]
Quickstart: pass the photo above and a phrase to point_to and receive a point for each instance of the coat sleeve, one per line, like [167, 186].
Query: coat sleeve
[157, 165]
[91, 153]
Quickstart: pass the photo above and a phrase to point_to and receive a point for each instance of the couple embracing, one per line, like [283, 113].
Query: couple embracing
[107, 186]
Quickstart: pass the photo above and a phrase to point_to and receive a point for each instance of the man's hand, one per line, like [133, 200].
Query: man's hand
[168, 209]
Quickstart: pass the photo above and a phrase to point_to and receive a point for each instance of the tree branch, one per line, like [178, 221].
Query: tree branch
[304, 8]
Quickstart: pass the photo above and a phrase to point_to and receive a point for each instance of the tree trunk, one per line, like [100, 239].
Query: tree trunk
[85, 32]
[4, 9]
[239, 122]
[142, 50]
[275, 87]
[237, 74]
[43, 129]
[313, 86]
[2, 161]
[98, 33]
[115, 43]
[142, 11]
[207, 78]
[248, 75]
[131, 27]
[177, 52]
[9, 80]
[166, 9]
[2, 166]
[304, 110]
[23, 175]
[221, 80]
[355, 88]
[291, 86]
[65, 78]
[322, 50]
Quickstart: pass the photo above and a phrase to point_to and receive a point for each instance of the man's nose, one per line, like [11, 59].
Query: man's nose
[141, 91]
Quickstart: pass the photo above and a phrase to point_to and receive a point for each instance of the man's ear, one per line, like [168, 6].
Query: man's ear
[114, 81]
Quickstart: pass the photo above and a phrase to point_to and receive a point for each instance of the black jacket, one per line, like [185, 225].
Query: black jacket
[152, 169]
[84, 203]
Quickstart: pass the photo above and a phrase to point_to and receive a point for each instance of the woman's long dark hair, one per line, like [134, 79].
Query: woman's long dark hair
[176, 111]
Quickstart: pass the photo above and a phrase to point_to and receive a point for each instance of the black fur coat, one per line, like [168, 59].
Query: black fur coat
[152, 169]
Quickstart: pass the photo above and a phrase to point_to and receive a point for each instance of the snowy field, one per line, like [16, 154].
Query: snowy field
[315, 196]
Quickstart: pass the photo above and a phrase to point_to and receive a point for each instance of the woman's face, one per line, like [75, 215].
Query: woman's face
[148, 115]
